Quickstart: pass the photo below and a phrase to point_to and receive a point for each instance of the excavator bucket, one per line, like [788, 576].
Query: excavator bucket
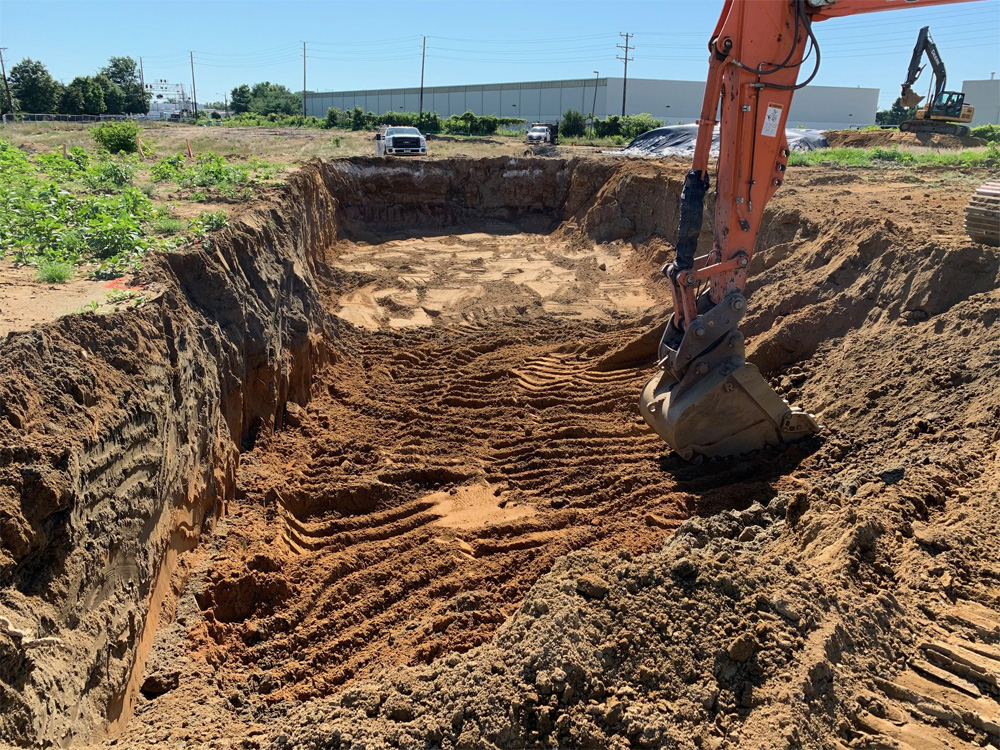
[707, 400]
[910, 98]
[729, 411]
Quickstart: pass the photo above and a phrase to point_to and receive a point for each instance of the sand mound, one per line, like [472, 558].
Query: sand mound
[873, 138]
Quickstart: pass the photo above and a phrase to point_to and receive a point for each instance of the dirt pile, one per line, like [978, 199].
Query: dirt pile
[873, 138]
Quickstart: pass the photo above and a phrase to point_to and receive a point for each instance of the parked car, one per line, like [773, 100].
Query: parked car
[396, 140]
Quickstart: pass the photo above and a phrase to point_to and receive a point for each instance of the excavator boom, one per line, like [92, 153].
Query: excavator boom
[910, 98]
[707, 400]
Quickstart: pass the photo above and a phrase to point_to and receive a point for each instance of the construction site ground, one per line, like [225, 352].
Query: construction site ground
[467, 538]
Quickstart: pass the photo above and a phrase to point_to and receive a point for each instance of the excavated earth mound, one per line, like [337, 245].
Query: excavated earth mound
[872, 138]
[369, 473]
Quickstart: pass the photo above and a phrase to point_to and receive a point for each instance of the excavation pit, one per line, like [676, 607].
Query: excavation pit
[381, 434]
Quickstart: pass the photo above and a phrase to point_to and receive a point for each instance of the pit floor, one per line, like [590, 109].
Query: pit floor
[476, 427]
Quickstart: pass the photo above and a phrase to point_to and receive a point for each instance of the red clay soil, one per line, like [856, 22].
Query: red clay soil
[394, 572]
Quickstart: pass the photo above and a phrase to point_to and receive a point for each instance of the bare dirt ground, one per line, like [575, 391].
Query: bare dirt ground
[872, 138]
[25, 301]
[468, 539]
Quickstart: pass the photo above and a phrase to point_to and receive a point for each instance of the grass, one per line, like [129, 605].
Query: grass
[168, 225]
[54, 272]
[880, 157]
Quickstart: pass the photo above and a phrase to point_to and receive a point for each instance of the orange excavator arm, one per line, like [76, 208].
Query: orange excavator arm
[709, 401]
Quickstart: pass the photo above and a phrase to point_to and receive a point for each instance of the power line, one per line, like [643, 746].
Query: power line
[624, 59]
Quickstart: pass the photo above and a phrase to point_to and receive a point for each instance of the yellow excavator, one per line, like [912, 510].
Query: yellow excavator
[946, 113]
[706, 400]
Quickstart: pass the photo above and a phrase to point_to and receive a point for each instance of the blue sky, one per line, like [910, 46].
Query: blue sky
[361, 45]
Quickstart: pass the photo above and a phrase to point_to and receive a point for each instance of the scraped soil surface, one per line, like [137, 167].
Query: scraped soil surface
[25, 301]
[468, 539]
[872, 138]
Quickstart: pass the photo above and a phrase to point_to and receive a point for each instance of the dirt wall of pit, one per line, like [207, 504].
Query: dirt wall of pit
[120, 435]
[119, 442]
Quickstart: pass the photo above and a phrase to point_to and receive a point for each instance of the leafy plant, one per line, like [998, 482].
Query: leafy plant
[109, 175]
[210, 221]
[117, 137]
[54, 272]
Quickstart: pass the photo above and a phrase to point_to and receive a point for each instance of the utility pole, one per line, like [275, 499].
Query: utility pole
[142, 87]
[225, 98]
[423, 58]
[194, 91]
[3, 72]
[593, 107]
[626, 60]
[303, 79]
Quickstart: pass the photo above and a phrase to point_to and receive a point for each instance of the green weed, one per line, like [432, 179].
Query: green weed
[168, 225]
[880, 156]
[54, 272]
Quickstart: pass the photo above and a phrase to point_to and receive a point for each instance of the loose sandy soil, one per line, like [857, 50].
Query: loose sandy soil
[872, 138]
[480, 426]
[468, 539]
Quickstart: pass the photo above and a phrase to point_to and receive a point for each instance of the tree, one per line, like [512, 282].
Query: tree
[240, 99]
[273, 98]
[33, 87]
[83, 96]
[114, 98]
[124, 73]
[573, 124]
[895, 114]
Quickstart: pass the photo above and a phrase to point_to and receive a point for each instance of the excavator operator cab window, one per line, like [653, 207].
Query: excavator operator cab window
[949, 103]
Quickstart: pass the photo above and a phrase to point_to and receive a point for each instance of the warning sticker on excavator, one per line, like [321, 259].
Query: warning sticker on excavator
[771, 120]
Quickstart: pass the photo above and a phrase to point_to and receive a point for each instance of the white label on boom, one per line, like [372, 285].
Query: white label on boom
[771, 120]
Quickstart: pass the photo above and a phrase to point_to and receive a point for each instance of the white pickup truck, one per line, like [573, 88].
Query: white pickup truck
[396, 140]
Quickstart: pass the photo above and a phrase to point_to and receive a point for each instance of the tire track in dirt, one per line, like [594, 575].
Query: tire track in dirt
[441, 472]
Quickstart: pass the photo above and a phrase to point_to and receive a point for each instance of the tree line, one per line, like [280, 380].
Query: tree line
[114, 90]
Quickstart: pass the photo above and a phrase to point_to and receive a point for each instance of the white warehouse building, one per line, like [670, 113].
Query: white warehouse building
[671, 101]
[985, 97]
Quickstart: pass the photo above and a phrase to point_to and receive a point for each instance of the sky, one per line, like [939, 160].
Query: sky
[372, 45]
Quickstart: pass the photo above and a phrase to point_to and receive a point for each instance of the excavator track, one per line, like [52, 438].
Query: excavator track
[982, 215]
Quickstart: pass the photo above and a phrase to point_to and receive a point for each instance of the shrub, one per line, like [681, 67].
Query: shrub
[117, 137]
[109, 175]
[573, 124]
[54, 272]
[986, 132]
